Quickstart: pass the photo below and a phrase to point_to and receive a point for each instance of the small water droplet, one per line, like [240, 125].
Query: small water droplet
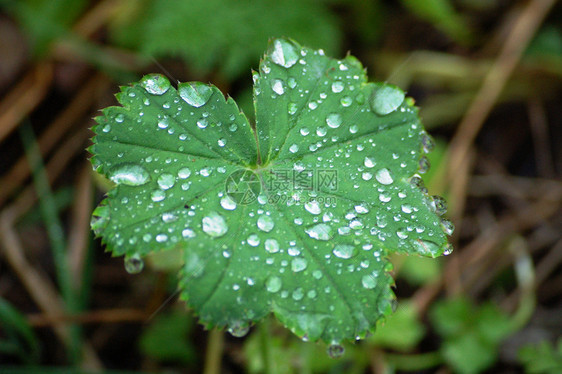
[312, 207]
[265, 223]
[305, 131]
[346, 101]
[439, 205]
[134, 264]
[424, 165]
[369, 162]
[129, 174]
[184, 173]
[155, 84]
[253, 240]
[383, 176]
[157, 195]
[294, 148]
[447, 226]
[273, 284]
[214, 225]
[427, 143]
[202, 123]
[386, 98]
[369, 281]
[292, 108]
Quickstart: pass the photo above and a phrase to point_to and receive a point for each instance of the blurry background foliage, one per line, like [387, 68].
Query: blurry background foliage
[487, 76]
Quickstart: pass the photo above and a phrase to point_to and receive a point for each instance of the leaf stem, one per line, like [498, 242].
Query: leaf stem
[265, 343]
[213, 356]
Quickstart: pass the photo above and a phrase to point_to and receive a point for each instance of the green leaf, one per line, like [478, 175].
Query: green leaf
[542, 358]
[296, 219]
[218, 34]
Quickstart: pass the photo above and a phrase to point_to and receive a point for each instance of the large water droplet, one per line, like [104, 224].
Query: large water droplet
[184, 173]
[195, 94]
[447, 226]
[427, 143]
[155, 84]
[337, 87]
[334, 120]
[134, 264]
[320, 231]
[273, 284]
[439, 205]
[214, 225]
[265, 223]
[166, 181]
[386, 99]
[423, 165]
[284, 53]
[344, 251]
[129, 174]
[383, 176]
[239, 329]
[335, 350]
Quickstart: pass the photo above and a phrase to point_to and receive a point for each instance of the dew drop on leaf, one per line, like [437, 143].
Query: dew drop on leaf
[284, 53]
[157, 195]
[271, 245]
[383, 176]
[195, 94]
[277, 86]
[344, 251]
[294, 148]
[447, 226]
[320, 231]
[133, 264]
[369, 281]
[253, 240]
[214, 225]
[334, 120]
[386, 98]
[298, 264]
[369, 162]
[227, 203]
[239, 329]
[166, 181]
[129, 174]
[184, 173]
[273, 284]
[439, 205]
[337, 86]
[155, 84]
[312, 207]
[265, 223]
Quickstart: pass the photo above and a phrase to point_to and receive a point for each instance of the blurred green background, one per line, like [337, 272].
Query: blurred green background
[487, 75]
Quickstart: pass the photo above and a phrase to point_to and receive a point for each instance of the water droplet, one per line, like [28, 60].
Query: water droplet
[239, 329]
[312, 207]
[439, 205]
[284, 53]
[353, 129]
[425, 246]
[277, 86]
[161, 238]
[305, 131]
[292, 82]
[427, 143]
[424, 165]
[294, 148]
[313, 105]
[119, 118]
[298, 294]
[292, 108]
[166, 181]
[184, 173]
[298, 264]
[155, 84]
[129, 174]
[369, 162]
[169, 217]
[344, 251]
[334, 120]
[227, 203]
[221, 142]
[320, 231]
[386, 98]
[157, 195]
[448, 249]
[361, 209]
[273, 284]
[335, 350]
[202, 123]
[271, 245]
[337, 86]
[346, 101]
[383, 176]
[447, 226]
[253, 240]
[134, 264]
[369, 281]
[265, 223]
[214, 225]
[195, 94]
[188, 233]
